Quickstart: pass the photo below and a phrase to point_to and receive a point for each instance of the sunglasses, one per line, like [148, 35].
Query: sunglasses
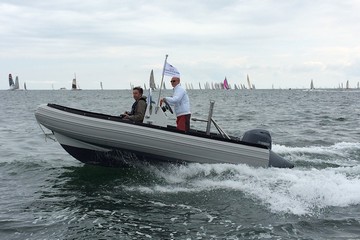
[173, 81]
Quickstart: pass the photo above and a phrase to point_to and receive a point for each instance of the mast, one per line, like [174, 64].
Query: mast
[161, 84]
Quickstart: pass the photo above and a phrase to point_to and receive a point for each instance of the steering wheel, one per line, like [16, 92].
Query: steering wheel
[167, 106]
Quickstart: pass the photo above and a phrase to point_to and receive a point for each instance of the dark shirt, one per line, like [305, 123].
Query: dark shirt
[138, 110]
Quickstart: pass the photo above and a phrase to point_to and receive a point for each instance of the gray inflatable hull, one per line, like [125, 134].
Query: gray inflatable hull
[109, 141]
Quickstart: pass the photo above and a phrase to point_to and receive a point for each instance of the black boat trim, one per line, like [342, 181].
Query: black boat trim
[117, 157]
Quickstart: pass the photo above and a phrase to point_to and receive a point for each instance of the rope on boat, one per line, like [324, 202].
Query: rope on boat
[47, 135]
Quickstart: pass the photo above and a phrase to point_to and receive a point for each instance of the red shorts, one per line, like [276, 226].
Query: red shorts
[183, 122]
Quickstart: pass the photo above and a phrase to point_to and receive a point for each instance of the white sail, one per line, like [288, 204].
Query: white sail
[248, 81]
[17, 85]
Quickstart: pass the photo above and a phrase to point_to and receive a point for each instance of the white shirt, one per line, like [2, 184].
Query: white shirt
[180, 100]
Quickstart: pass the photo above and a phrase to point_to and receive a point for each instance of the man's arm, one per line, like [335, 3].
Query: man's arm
[178, 95]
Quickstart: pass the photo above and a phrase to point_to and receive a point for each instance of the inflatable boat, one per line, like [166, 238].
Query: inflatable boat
[100, 139]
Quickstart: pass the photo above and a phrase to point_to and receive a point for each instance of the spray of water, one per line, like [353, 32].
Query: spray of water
[296, 191]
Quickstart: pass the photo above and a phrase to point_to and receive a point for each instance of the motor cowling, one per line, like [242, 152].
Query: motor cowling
[257, 136]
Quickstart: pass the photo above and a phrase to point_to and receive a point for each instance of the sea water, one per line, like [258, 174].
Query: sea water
[47, 194]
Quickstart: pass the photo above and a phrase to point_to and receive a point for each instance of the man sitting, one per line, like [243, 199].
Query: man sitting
[138, 108]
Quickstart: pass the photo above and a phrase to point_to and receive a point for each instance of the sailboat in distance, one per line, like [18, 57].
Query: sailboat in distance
[152, 81]
[11, 82]
[101, 86]
[312, 85]
[248, 81]
[74, 86]
[13, 85]
[347, 85]
[17, 85]
[226, 84]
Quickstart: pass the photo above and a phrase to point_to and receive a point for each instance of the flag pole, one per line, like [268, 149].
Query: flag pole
[161, 85]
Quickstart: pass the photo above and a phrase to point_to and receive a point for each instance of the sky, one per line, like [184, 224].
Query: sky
[278, 43]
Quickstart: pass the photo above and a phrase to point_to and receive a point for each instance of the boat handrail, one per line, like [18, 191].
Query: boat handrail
[212, 120]
[221, 131]
[211, 109]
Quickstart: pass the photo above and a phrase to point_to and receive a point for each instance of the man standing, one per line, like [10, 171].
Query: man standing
[180, 100]
[138, 108]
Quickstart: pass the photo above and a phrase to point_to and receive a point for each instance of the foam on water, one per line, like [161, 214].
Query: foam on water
[341, 154]
[340, 149]
[292, 191]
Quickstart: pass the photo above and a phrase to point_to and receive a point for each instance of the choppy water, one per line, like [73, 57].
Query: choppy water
[46, 194]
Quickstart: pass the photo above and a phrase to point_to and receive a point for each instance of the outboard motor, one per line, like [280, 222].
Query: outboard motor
[263, 137]
[257, 136]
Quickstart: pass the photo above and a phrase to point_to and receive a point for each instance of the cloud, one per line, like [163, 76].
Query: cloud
[274, 41]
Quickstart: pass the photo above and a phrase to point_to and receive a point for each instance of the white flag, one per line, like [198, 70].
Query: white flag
[170, 70]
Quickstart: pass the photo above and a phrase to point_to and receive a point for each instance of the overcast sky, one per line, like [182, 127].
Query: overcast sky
[280, 43]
